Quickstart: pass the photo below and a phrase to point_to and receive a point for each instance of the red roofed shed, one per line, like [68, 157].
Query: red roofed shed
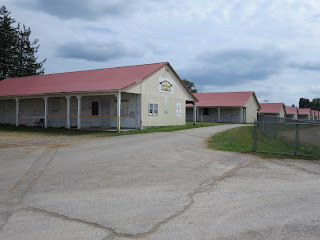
[291, 112]
[236, 107]
[304, 113]
[273, 109]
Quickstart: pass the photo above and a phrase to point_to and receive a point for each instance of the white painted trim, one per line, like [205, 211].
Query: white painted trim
[45, 112]
[118, 110]
[17, 112]
[91, 93]
[194, 113]
[68, 111]
[79, 111]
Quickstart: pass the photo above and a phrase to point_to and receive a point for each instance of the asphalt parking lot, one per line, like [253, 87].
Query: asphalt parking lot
[152, 186]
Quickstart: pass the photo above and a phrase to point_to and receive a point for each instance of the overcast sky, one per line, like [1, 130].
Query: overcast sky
[270, 46]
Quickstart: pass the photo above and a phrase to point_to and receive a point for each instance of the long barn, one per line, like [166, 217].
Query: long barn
[133, 97]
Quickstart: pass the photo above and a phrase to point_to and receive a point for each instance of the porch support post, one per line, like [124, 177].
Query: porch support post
[118, 110]
[194, 113]
[68, 111]
[79, 111]
[17, 112]
[219, 116]
[241, 115]
[45, 112]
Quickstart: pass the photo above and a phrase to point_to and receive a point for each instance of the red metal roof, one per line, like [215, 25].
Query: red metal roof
[222, 99]
[291, 110]
[304, 111]
[82, 81]
[271, 107]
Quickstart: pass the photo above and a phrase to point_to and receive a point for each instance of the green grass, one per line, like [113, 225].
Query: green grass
[7, 129]
[241, 139]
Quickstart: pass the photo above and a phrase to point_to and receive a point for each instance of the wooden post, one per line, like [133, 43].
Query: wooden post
[17, 112]
[194, 113]
[219, 119]
[68, 111]
[118, 110]
[45, 112]
[79, 111]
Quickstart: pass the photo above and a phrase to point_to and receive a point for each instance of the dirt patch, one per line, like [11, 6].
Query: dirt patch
[308, 135]
[12, 140]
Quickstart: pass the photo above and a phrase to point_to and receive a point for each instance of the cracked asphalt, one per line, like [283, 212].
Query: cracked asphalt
[153, 186]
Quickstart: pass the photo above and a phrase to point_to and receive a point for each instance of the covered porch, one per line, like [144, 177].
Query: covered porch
[218, 114]
[99, 110]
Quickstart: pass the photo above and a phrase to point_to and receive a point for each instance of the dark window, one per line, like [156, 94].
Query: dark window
[206, 111]
[95, 108]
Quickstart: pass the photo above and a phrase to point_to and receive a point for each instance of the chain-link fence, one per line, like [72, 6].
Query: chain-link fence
[286, 136]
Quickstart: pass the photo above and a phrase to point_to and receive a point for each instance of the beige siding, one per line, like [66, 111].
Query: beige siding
[282, 113]
[251, 110]
[149, 89]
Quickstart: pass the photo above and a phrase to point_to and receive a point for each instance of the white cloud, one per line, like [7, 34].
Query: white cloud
[179, 31]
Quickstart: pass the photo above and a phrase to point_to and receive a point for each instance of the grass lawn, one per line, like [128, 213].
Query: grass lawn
[240, 140]
[7, 129]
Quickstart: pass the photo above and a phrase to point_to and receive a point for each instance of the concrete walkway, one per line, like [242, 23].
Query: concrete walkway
[155, 186]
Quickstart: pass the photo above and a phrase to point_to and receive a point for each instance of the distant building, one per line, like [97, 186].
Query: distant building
[230, 107]
[312, 115]
[273, 109]
[291, 112]
[304, 114]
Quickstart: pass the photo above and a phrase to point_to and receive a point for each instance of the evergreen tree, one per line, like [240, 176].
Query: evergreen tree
[8, 40]
[17, 51]
[25, 59]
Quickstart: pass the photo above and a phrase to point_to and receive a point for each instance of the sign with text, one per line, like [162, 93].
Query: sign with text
[165, 85]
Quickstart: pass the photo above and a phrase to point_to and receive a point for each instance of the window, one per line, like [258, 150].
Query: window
[95, 108]
[153, 109]
[206, 111]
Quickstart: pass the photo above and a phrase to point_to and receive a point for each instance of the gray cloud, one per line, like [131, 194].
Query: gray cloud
[82, 9]
[97, 52]
[237, 66]
[309, 66]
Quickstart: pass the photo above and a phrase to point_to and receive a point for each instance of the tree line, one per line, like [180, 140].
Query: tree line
[17, 51]
[314, 104]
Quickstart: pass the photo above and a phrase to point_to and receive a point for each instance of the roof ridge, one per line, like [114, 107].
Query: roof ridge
[230, 92]
[89, 70]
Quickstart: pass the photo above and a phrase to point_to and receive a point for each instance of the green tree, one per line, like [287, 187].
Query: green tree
[8, 40]
[315, 104]
[304, 103]
[26, 60]
[17, 53]
[190, 85]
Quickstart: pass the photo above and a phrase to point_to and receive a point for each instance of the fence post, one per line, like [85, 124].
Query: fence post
[296, 147]
[275, 129]
[254, 144]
